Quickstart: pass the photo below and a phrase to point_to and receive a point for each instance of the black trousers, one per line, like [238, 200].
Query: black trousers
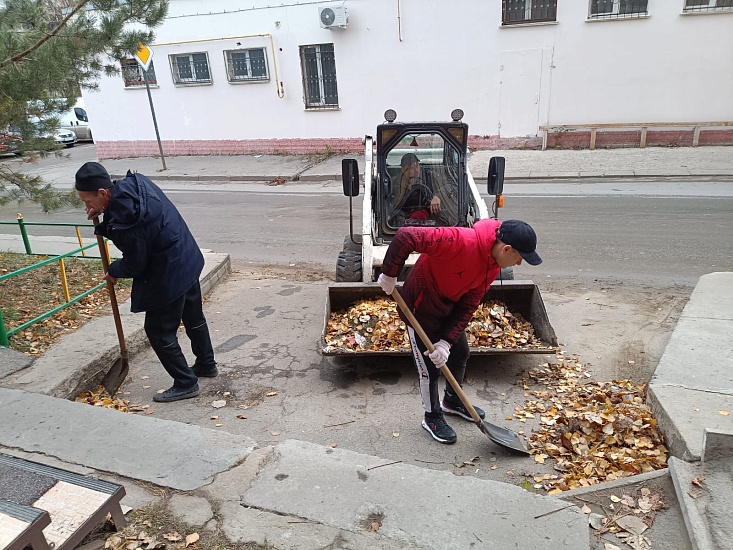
[430, 374]
[161, 327]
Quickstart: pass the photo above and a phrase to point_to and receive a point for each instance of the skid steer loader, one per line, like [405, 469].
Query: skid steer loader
[440, 151]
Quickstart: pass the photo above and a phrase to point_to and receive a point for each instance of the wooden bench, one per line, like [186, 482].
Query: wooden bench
[75, 504]
[695, 126]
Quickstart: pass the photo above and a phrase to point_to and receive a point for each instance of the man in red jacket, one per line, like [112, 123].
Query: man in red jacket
[444, 288]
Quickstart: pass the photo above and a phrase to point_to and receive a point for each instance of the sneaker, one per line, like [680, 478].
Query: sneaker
[176, 394]
[205, 372]
[439, 429]
[459, 410]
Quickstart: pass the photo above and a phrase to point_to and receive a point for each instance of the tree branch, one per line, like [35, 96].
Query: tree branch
[40, 43]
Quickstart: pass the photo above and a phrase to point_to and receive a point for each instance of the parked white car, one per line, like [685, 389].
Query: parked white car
[76, 120]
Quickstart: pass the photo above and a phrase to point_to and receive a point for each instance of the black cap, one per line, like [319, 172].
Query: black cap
[408, 159]
[521, 237]
[92, 176]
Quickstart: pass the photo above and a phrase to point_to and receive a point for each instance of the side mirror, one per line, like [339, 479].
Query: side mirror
[350, 177]
[495, 179]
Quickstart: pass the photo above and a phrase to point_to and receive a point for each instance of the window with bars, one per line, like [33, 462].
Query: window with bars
[190, 68]
[246, 65]
[528, 11]
[618, 9]
[708, 5]
[132, 73]
[318, 65]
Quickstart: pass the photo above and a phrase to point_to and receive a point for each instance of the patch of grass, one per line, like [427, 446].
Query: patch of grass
[26, 296]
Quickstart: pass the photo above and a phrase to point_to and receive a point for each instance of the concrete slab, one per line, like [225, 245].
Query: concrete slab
[191, 509]
[694, 502]
[163, 452]
[717, 445]
[692, 386]
[427, 508]
[12, 361]
[330, 168]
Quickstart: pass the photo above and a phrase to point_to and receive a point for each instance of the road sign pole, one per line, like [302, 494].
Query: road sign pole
[155, 122]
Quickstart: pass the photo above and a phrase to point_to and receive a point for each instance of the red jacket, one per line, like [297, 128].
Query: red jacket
[451, 276]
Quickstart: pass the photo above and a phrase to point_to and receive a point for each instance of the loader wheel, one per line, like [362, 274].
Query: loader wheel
[348, 245]
[348, 267]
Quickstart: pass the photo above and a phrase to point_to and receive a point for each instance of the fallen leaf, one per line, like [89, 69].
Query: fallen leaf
[698, 481]
[160, 391]
[190, 539]
[172, 536]
[632, 524]
[219, 403]
[724, 413]
[149, 411]
[275, 433]
[609, 546]
[374, 526]
[146, 387]
[271, 393]
[218, 425]
[215, 417]
[241, 417]
[395, 434]
[597, 521]
[144, 377]
[586, 509]
[614, 498]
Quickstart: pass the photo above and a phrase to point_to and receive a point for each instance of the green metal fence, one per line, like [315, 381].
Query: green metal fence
[6, 334]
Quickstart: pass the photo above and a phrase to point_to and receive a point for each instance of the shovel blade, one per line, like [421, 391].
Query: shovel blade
[116, 375]
[505, 438]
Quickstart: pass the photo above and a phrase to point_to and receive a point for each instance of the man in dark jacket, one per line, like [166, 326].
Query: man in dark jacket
[164, 262]
[444, 288]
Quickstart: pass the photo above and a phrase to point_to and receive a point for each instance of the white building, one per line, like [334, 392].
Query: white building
[231, 77]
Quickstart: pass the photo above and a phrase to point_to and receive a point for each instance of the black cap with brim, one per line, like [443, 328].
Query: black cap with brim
[522, 238]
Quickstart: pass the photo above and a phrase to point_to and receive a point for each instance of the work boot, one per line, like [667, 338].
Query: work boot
[454, 406]
[438, 428]
[205, 371]
[176, 394]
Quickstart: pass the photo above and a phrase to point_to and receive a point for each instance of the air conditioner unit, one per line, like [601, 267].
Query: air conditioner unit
[333, 16]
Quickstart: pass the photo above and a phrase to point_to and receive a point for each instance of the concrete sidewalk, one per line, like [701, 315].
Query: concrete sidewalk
[652, 162]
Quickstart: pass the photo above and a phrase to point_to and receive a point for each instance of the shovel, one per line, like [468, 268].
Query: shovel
[500, 436]
[119, 369]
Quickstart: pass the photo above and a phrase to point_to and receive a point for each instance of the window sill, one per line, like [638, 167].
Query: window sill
[140, 87]
[192, 84]
[318, 109]
[708, 12]
[616, 18]
[253, 81]
[531, 24]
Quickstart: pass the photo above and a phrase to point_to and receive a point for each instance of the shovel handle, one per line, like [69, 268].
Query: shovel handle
[111, 290]
[446, 371]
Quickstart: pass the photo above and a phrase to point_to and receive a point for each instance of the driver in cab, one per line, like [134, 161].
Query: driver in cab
[415, 200]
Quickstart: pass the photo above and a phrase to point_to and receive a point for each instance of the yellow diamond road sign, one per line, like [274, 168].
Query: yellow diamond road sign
[144, 56]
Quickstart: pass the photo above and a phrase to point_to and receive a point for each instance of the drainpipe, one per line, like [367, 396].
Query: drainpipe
[278, 82]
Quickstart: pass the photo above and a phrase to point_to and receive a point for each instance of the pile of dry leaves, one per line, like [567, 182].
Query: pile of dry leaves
[102, 398]
[596, 431]
[374, 325]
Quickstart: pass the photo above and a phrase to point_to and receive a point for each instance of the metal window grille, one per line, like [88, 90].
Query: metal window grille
[192, 68]
[246, 65]
[132, 73]
[528, 11]
[708, 5]
[618, 9]
[318, 65]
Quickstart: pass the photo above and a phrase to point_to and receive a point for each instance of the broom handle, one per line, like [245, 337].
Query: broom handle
[111, 290]
[443, 368]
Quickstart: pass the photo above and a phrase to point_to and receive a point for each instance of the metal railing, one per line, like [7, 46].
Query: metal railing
[22, 224]
[6, 334]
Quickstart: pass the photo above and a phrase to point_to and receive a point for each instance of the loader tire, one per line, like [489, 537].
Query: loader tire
[348, 245]
[348, 267]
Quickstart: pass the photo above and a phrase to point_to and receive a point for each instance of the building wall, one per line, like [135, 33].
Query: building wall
[435, 56]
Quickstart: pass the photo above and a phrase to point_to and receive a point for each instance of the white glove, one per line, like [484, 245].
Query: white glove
[440, 356]
[387, 283]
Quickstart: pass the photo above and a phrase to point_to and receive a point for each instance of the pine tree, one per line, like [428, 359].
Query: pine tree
[49, 51]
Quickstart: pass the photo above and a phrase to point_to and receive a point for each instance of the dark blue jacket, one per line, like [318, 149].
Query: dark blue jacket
[159, 252]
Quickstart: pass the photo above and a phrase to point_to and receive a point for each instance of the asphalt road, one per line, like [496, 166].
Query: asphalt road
[651, 239]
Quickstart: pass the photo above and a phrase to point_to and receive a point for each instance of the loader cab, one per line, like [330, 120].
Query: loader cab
[421, 177]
